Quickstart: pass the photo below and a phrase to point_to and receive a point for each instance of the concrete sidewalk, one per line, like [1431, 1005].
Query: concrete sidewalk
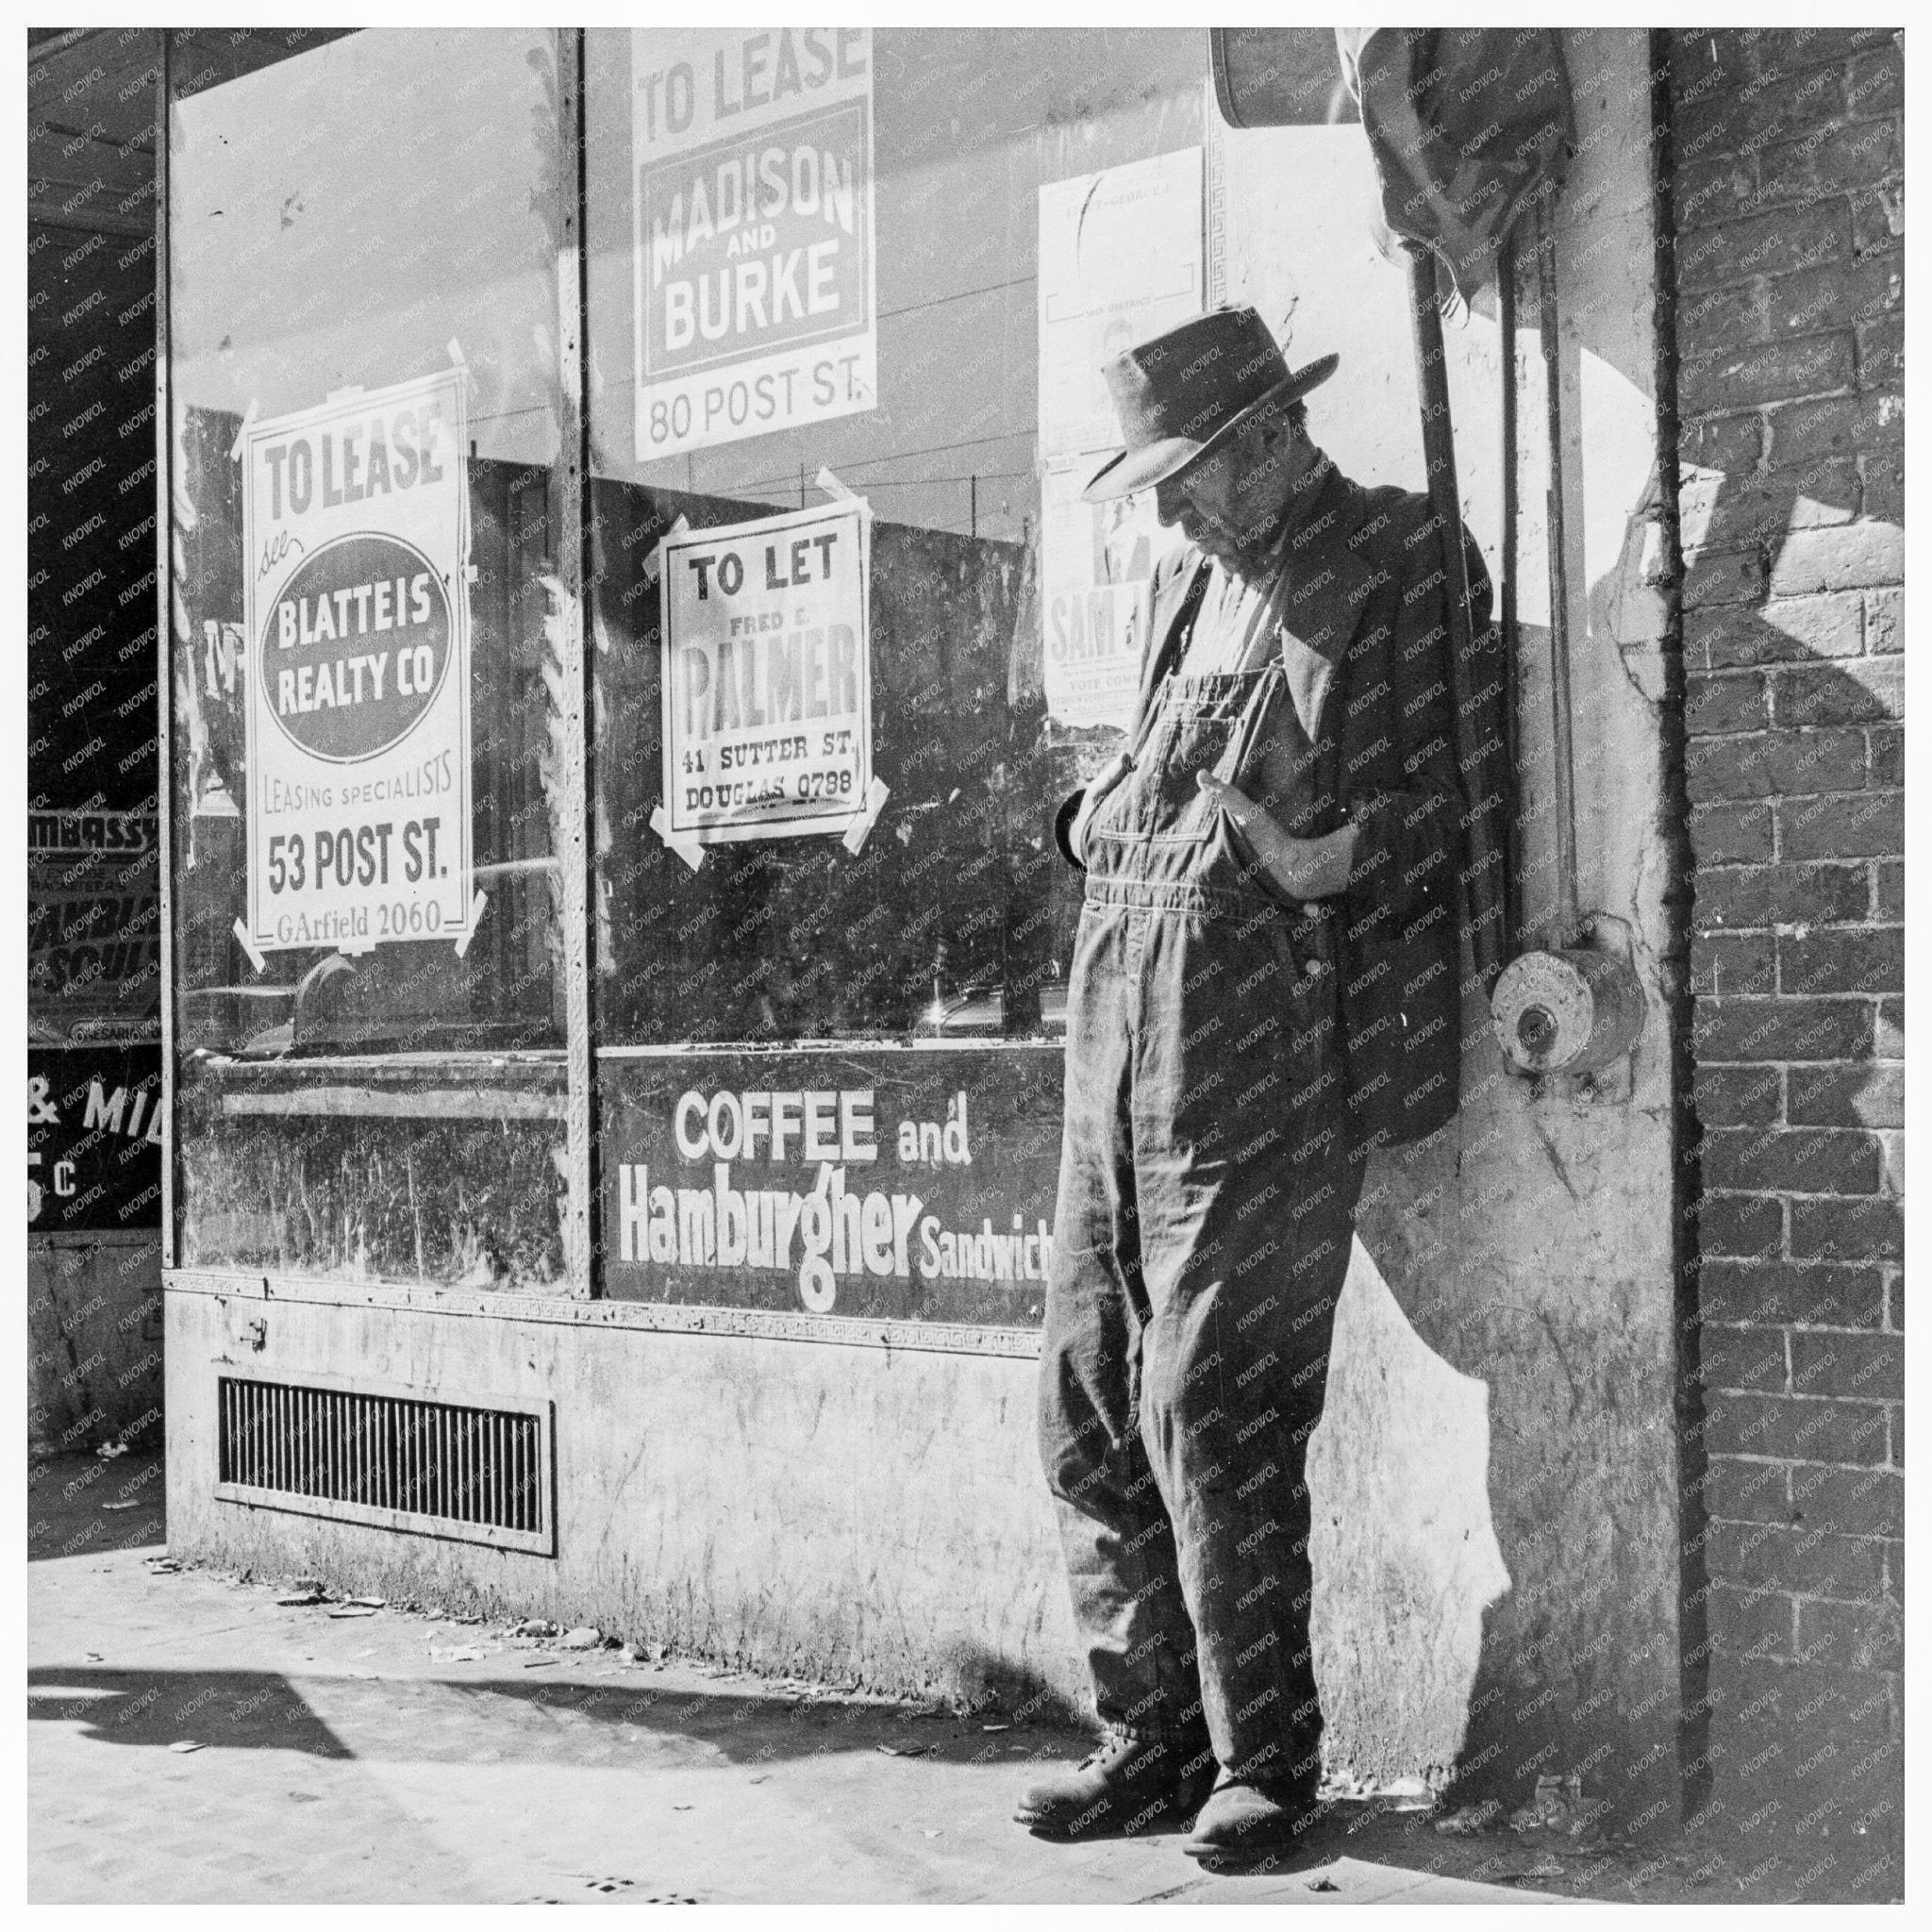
[192, 1739]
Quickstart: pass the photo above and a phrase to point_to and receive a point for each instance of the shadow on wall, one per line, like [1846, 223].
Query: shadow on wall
[1494, 1523]
[1796, 700]
[1422, 1548]
[1495, 1509]
[1794, 630]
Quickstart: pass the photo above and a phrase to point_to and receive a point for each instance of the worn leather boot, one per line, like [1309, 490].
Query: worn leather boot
[1131, 1785]
[1249, 1819]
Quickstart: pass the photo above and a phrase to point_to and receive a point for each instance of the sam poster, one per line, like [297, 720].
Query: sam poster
[356, 542]
[753, 232]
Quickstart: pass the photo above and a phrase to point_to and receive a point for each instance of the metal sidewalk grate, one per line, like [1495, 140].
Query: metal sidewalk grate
[394, 1461]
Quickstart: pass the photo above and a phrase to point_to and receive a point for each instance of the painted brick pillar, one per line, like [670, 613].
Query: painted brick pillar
[1790, 307]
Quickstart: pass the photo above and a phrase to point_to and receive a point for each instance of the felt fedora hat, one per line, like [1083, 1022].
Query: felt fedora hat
[1179, 395]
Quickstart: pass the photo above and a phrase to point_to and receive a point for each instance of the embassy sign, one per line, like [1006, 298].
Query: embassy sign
[94, 961]
[356, 545]
[753, 269]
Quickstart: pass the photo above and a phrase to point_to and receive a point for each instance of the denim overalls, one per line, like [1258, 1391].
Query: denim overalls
[1207, 1195]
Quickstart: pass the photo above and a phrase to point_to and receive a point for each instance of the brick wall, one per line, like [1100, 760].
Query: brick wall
[1791, 311]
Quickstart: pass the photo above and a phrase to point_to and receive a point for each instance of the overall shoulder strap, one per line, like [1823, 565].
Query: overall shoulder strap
[1166, 650]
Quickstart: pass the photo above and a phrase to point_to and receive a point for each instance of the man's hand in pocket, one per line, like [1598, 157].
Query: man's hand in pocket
[1302, 868]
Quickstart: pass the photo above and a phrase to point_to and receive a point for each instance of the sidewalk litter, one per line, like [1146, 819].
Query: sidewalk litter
[413, 1760]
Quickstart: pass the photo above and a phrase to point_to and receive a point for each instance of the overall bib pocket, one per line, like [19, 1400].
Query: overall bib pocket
[1210, 724]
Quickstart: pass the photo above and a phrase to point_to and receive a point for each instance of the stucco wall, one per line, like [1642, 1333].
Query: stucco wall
[1495, 1478]
[860, 1514]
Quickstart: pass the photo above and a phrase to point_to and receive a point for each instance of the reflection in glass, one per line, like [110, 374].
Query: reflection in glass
[381, 208]
[955, 918]
[318, 247]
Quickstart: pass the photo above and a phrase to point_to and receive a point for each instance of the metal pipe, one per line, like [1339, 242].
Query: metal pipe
[1559, 595]
[576, 568]
[1481, 894]
[1506, 620]
[1689, 1415]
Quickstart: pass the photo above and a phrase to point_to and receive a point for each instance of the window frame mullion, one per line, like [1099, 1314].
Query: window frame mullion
[574, 861]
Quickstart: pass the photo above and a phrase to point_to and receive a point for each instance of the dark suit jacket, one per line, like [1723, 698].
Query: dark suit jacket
[1367, 652]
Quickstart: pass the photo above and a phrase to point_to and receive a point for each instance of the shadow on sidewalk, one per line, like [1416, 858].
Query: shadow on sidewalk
[88, 1505]
[462, 1720]
[240, 1709]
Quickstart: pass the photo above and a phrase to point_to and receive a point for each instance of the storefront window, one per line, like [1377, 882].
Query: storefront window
[854, 635]
[815, 267]
[367, 459]
[851, 635]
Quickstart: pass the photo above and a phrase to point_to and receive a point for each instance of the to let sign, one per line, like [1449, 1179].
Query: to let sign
[768, 677]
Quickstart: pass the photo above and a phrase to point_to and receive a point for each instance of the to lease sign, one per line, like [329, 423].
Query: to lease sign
[357, 537]
[753, 232]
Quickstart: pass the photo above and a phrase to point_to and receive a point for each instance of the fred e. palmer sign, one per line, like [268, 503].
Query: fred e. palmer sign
[752, 247]
[768, 677]
[357, 536]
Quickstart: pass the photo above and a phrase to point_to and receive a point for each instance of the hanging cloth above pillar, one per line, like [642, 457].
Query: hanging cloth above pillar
[1468, 126]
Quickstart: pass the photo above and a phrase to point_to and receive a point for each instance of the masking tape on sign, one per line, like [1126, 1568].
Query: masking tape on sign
[476, 905]
[682, 843]
[248, 946]
[838, 492]
[876, 795]
[241, 430]
[654, 564]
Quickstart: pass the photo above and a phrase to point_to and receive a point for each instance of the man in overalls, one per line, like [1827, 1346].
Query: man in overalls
[1265, 984]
